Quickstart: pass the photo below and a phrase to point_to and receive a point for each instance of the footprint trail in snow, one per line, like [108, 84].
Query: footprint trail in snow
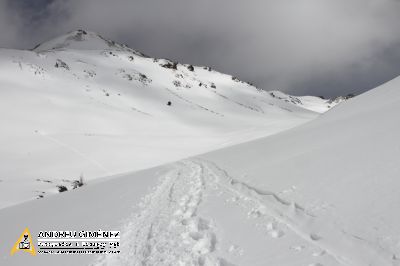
[168, 230]
[173, 226]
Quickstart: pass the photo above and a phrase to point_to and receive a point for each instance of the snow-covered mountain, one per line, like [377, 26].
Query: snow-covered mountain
[324, 193]
[312, 103]
[82, 40]
[82, 105]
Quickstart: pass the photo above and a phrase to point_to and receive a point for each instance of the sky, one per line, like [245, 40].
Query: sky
[313, 47]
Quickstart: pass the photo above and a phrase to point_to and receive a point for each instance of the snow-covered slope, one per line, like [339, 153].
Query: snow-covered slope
[324, 193]
[339, 176]
[313, 103]
[84, 105]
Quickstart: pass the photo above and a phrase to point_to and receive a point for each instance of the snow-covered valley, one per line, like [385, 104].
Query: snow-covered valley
[82, 105]
[225, 175]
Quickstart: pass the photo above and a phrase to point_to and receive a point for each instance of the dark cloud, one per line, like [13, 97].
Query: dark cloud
[324, 47]
[9, 27]
[32, 13]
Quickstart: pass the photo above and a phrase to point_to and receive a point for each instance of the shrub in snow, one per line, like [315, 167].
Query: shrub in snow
[144, 79]
[62, 188]
[78, 183]
[191, 68]
[61, 64]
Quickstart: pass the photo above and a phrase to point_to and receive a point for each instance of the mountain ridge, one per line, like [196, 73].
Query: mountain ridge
[87, 40]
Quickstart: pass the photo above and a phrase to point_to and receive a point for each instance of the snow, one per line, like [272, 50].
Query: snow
[82, 105]
[319, 194]
[343, 169]
[312, 103]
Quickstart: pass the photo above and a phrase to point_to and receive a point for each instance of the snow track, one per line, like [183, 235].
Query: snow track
[170, 230]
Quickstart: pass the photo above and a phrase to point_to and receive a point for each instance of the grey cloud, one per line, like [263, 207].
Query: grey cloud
[324, 47]
[9, 26]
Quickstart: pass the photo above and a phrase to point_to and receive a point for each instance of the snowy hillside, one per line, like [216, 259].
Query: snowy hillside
[328, 187]
[312, 103]
[82, 105]
[321, 194]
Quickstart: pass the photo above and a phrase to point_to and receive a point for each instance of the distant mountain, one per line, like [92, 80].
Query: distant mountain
[313, 103]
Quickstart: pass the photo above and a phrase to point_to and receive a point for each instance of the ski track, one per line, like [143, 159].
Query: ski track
[169, 231]
[76, 151]
[193, 103]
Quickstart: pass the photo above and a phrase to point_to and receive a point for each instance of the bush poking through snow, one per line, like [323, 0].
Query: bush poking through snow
[61, 64]
[144, 79]
[62, 188]
[78, 183]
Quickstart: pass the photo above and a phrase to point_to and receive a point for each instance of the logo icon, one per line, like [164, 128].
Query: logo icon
[24, 243]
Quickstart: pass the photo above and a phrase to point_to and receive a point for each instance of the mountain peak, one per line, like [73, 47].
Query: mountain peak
[81, 40]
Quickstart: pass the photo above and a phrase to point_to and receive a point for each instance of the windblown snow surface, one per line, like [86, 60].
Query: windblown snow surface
[84, 105]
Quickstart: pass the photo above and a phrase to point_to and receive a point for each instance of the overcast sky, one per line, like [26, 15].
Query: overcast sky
[318, 47]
